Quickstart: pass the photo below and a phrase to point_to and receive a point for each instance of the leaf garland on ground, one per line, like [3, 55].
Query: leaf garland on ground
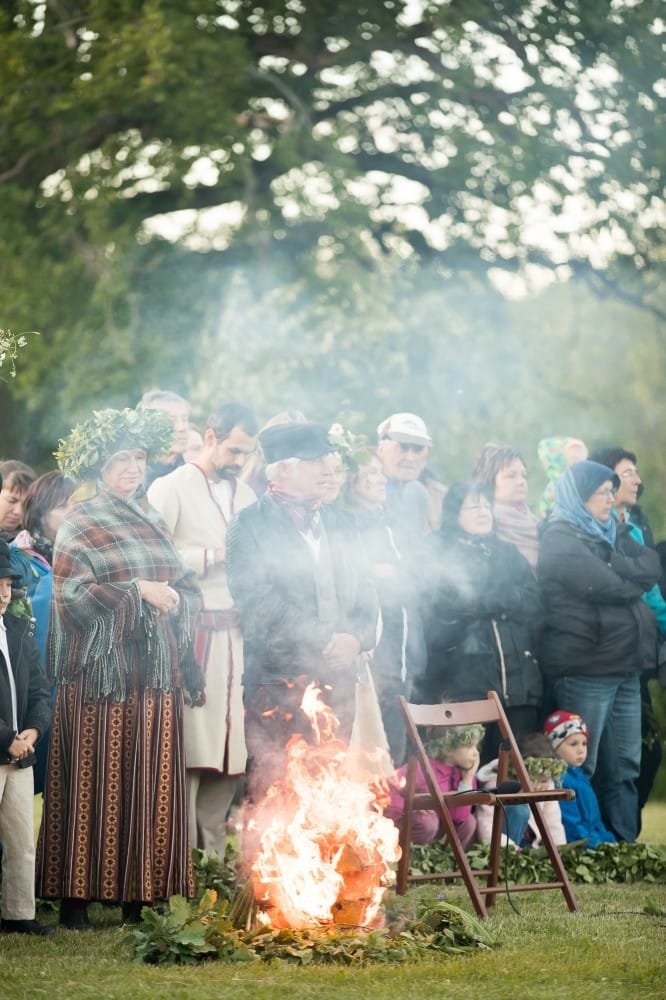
[213, 927]
[597, 865]
[187, 933]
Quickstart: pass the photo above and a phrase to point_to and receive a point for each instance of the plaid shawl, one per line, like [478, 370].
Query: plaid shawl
[99, 625]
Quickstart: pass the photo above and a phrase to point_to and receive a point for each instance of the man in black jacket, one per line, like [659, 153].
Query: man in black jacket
[25, 711]
[308, 607]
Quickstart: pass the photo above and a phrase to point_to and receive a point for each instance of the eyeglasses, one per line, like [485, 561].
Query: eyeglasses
[604, 493]
[630, 474]
[407, 445]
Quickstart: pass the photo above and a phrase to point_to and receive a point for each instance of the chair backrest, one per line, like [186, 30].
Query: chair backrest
[458, 713]
[467, 713]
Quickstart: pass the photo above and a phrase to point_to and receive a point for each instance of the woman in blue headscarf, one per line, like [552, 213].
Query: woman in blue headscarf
[598, 633]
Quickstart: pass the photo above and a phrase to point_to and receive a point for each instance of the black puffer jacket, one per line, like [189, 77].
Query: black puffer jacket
[480, 627]
[595, 620]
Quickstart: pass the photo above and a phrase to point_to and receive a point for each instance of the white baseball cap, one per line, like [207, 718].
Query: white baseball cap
[406, 428]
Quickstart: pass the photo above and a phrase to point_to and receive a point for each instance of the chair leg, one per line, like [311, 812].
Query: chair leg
[402, 874]
[494, 855]
[466, 872]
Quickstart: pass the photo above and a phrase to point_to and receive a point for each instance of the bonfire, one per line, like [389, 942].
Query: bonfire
[327, 851]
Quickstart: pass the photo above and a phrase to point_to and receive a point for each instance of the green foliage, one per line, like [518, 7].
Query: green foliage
[10, 345]
[91, 443]
[184, 932]
[232, 199]
[545, 768]
[214, 926]
[219, 874]
[600, 865]
[187, 933]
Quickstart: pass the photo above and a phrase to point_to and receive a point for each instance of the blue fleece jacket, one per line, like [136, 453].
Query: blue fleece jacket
[581, 816]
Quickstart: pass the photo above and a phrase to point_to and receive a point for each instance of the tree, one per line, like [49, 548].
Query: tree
[301, 151]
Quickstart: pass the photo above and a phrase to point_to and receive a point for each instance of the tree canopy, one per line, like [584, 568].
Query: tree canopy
[222, 193]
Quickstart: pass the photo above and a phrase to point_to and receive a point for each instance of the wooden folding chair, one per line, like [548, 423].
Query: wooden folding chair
[465, 714]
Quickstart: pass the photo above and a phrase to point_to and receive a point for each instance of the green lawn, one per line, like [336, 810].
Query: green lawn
[613, 949]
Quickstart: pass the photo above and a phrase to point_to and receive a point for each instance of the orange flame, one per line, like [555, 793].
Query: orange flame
[327, 851]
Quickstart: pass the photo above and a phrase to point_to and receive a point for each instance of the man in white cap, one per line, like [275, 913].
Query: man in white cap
[402, 448]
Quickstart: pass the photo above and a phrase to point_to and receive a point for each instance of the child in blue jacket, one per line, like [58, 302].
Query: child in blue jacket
[568, 734]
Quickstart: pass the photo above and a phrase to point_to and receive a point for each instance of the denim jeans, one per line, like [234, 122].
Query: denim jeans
[515, 822]
[611, 707]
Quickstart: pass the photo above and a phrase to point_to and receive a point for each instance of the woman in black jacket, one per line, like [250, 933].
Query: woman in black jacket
[598, 633]
[482, 612]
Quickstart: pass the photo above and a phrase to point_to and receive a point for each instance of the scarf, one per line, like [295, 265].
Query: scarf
[515, 523]
[303, 513]
[570, 507]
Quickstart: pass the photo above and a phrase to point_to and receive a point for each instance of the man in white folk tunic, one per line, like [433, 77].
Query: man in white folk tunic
[197, 501]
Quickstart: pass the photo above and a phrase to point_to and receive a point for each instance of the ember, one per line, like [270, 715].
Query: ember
[327, 850]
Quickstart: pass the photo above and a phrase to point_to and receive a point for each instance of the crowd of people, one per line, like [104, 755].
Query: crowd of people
[169, 594]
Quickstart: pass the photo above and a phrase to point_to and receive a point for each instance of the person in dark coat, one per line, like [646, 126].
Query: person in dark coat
[299, 578]
[482, 614]
[598, 633]
[398, 660]
[25, 712]
[626, 509]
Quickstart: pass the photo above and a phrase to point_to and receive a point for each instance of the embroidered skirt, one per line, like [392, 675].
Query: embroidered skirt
[114, 825]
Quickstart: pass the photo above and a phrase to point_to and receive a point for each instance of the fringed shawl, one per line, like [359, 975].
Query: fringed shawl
[99, 625]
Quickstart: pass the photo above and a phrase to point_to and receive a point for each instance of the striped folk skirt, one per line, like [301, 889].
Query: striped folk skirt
[114, 825]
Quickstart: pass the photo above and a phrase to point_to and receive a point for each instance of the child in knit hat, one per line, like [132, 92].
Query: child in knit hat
[453, 752]
[568, 734]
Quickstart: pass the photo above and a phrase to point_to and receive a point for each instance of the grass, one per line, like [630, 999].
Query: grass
[613, 949]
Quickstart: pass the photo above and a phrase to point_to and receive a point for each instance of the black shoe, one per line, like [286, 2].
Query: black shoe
[74, 915]
[25, 927]
[132, 912]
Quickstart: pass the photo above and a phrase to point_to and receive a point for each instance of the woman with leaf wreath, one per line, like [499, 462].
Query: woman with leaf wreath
[119, 652]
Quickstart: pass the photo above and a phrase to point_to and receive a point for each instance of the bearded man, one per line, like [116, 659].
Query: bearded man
[198, 500]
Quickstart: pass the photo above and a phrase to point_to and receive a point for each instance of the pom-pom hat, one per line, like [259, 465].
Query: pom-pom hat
[560, 725]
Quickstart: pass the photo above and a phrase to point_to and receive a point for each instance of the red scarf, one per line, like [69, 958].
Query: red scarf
[303, 513]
